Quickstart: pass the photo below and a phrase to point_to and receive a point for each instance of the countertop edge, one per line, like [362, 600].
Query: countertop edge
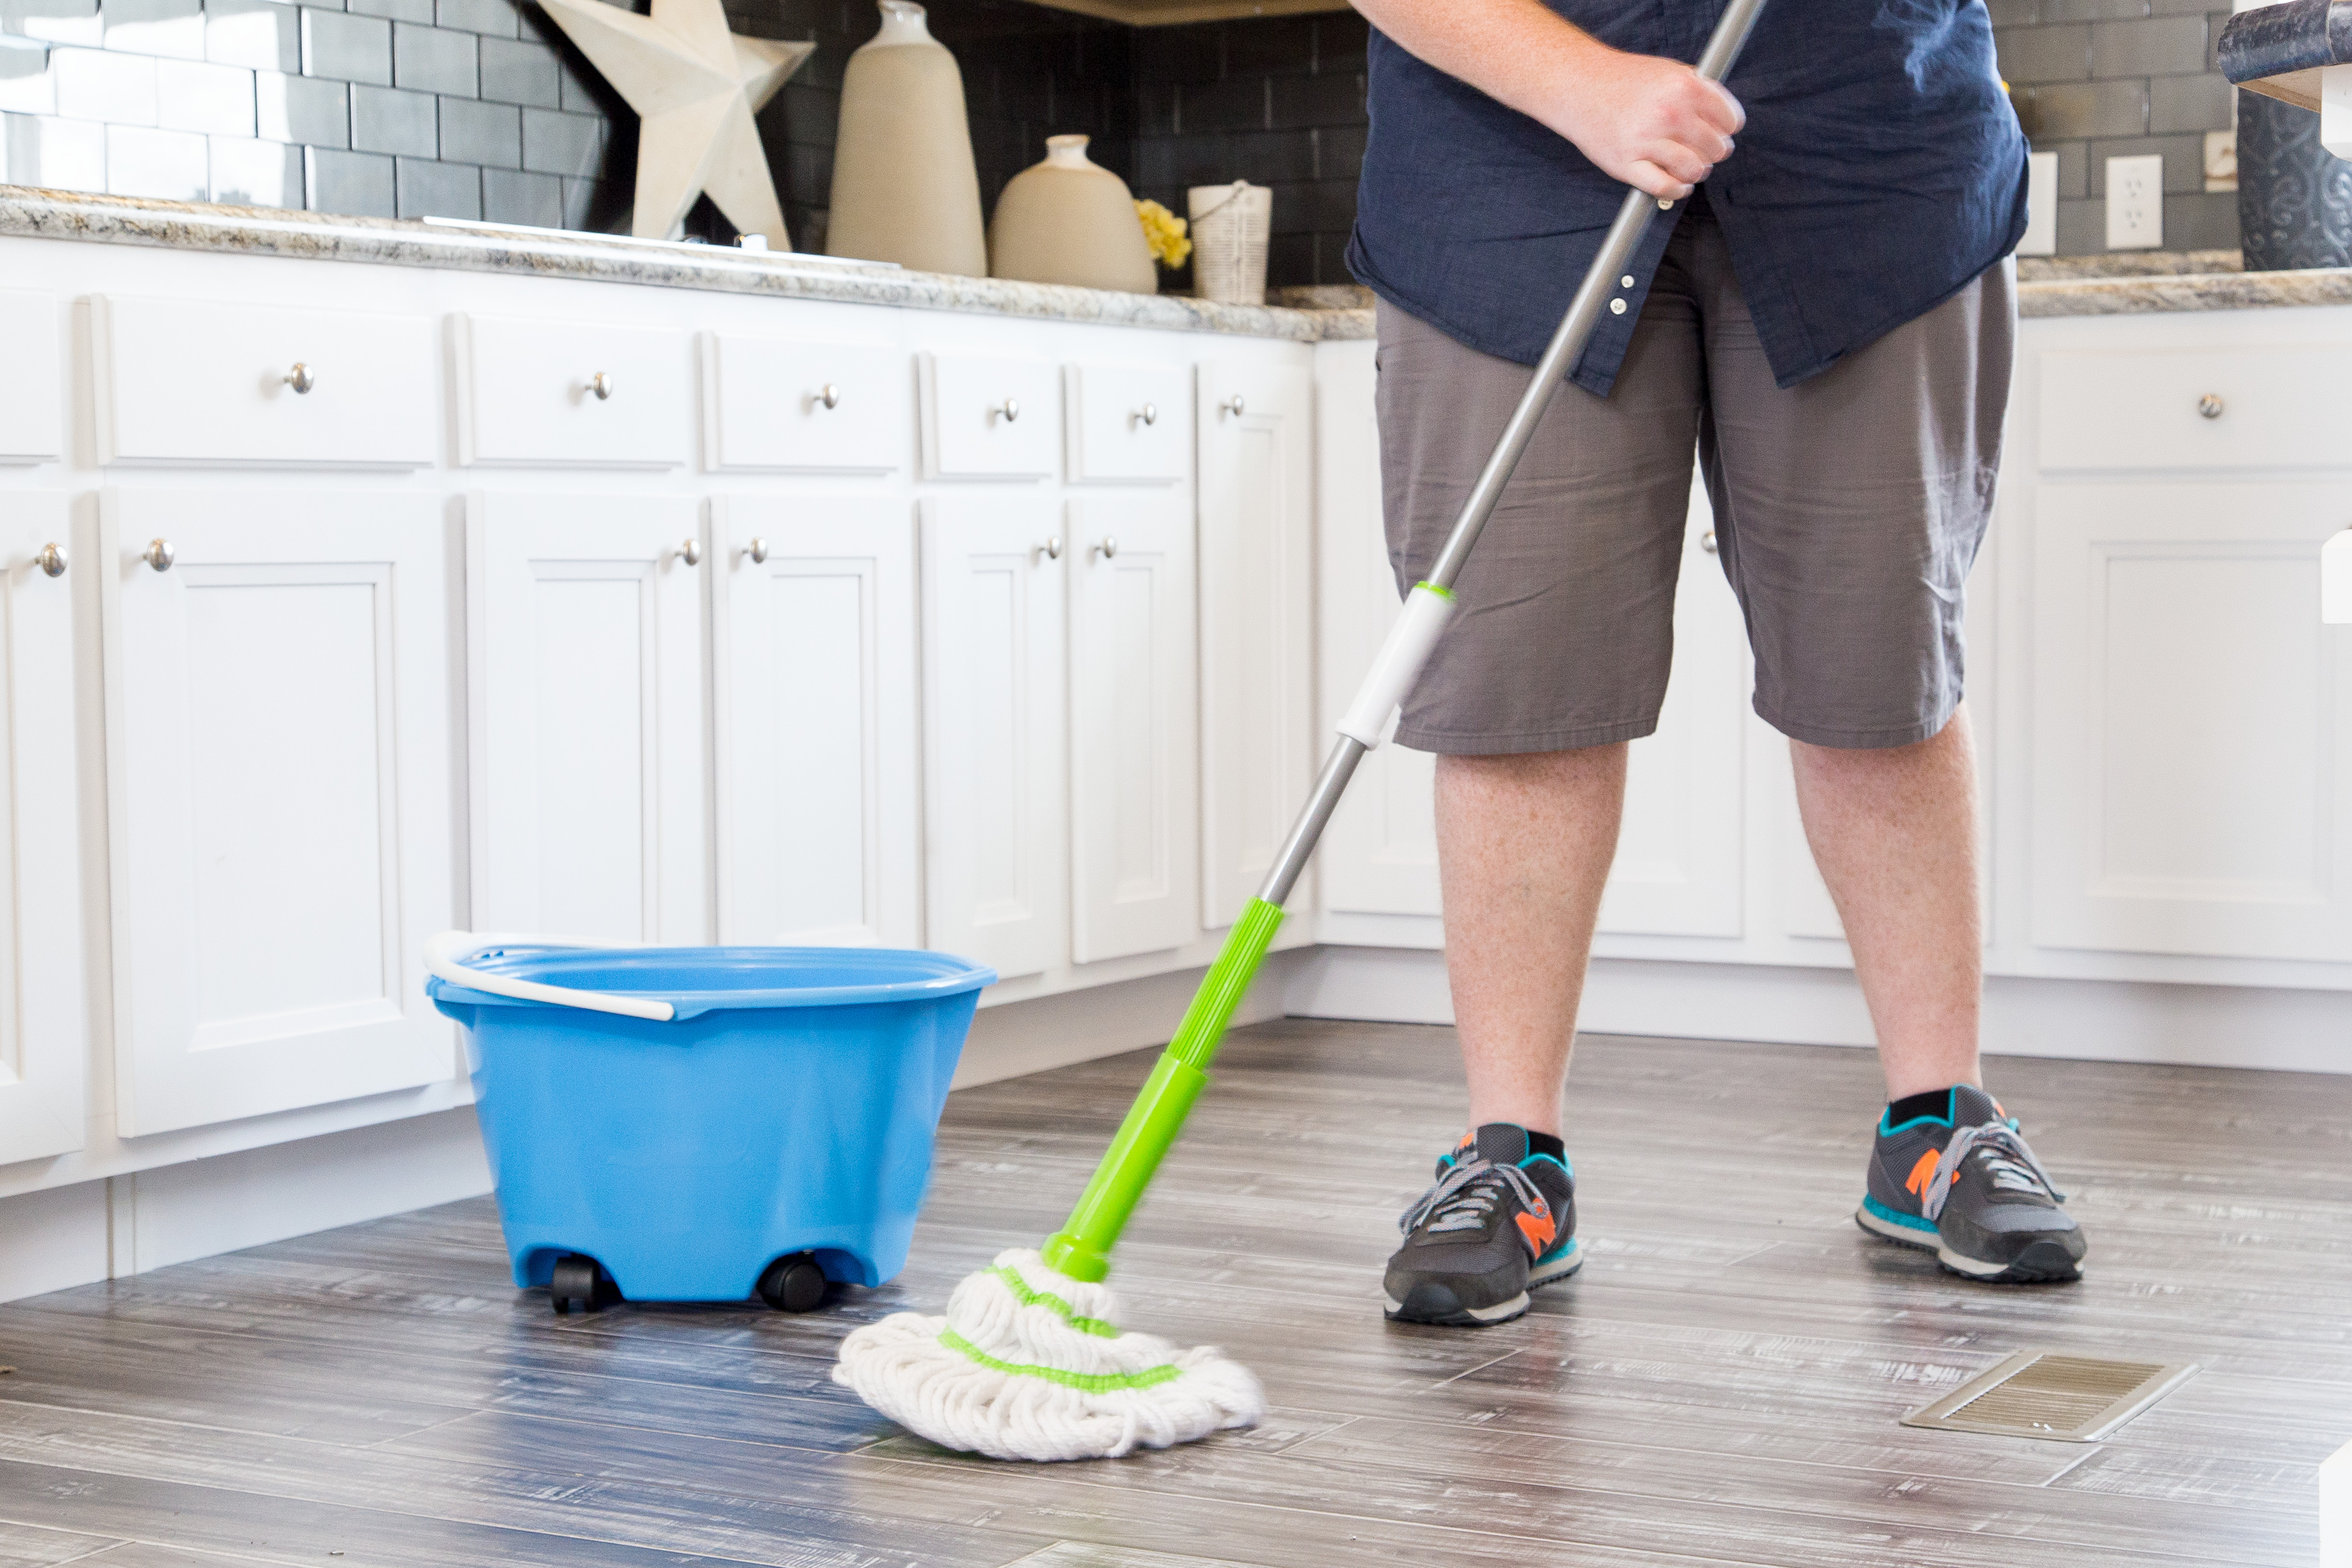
[29, 213]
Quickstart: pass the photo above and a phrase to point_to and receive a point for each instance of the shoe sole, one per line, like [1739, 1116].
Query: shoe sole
[2042, 1262]
[1437, 1306]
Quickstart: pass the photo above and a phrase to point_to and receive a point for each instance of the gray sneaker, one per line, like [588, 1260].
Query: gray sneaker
[1965, 1186]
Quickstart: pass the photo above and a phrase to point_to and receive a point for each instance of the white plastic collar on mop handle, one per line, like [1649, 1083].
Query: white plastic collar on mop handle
[1426, 610]
[441, 959]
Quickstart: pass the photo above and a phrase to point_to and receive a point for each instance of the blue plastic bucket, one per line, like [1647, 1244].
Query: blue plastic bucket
[788, 1106]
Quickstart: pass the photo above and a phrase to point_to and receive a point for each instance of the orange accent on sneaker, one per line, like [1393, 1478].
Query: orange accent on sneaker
[1923, 1173]
[1539, 1229]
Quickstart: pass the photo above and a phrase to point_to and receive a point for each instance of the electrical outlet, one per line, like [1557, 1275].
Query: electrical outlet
[2041, 206]
[2135, 203]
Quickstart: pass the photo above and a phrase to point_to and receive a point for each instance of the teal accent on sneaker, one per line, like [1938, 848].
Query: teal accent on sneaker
[1896, 1217]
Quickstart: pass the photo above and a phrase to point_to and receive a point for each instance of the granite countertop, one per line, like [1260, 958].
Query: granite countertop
[2121, 284]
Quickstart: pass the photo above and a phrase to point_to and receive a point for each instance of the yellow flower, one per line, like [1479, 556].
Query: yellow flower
[1164, 232]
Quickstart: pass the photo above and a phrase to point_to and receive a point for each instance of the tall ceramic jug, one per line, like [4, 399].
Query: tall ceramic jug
[905, 188]
[1070, 220]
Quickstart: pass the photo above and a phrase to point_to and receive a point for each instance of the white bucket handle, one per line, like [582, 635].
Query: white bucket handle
[441, 960]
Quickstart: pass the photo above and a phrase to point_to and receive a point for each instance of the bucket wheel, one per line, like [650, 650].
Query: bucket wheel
[580, 1284]
[793, 1283]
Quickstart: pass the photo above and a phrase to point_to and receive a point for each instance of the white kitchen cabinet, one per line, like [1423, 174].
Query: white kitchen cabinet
[43, 1029]
[210, 383]
[779, 405]
[280, 795]
[2240, 406]
[818, 720]
[995, 731]
[1256, 541]
[1379, 855]
[586, 707]
[2192, 723]
[1679, 865]
[33, 392]
[1135, 816]
[1129, 424]
[531, 393]
[990, 416]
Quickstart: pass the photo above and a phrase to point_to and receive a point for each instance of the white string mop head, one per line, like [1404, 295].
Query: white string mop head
[1027, 1364]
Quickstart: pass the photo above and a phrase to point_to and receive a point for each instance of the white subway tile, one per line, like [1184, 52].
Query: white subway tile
[170, 164]
[193, 96]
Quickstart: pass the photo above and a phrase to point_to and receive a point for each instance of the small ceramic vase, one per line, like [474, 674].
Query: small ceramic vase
[905, 188]
[1070, 220]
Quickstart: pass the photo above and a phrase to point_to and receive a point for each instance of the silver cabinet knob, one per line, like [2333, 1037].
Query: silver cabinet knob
[2209, 405]
[1148, 413]
[1234, 406]
[601, 384]
[158, 555]
[299, 378]
[757, 553]
[51, 560]
[1108, 549]
[1010, 408]
[1706, 542]
[1052, 548]
[830, 396]
[690, 551]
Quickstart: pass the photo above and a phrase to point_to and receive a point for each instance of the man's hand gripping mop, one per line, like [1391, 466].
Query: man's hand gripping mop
[1027, 1363]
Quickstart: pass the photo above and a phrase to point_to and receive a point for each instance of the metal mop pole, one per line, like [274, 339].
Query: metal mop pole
[1081, 1249]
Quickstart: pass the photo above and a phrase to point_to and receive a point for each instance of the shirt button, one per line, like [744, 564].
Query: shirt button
[1616, 307]
[1626, 281]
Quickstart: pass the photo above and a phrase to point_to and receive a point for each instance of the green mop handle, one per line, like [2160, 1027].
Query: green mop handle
[1081, 1248]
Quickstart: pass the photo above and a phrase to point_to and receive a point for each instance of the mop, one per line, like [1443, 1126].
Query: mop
[1029, 1362]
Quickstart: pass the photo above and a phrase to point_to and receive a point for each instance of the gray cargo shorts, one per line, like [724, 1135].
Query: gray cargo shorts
[1848, 510]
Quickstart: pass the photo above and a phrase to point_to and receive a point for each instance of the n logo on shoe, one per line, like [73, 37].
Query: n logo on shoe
[1539, 1228]
[1922, 1174]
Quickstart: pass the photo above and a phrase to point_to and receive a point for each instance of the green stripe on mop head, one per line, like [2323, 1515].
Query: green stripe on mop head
[1028, 1364]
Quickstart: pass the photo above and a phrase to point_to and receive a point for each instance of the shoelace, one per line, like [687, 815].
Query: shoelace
[1466, 1194]
[2010, 1161]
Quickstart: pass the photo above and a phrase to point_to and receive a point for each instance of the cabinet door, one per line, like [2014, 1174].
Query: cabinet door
[813, 604]
[1257, 710]
[2192, 723]
[1679, 871]
[1127, 423]
[43, 1030]
[994, 827]
[1135, 813]
[1379, 857]
[278, 781]
[586, 717]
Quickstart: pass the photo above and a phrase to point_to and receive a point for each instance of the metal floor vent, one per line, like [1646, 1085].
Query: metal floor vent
[2066, 1399]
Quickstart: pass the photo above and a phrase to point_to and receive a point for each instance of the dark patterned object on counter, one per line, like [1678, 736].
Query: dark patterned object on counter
[2294, 197]
[2279, 50]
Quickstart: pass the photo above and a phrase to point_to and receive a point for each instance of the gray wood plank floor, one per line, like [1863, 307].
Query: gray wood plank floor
[1721, 1385]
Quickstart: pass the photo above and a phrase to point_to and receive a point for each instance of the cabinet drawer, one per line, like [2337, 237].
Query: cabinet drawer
[2195, 408]
[781, 405]
[199, 383]
[1129, 423]
[29, 427]
[988, 418]
[578, 394]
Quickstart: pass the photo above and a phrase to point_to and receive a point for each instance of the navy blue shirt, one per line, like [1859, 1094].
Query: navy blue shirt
[1879, 171]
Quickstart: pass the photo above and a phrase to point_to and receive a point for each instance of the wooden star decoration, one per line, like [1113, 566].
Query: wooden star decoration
[695, 86]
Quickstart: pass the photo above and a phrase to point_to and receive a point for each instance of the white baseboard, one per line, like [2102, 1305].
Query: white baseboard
[77, 1235]
[2095, 1020]
[1022, 1038]
[2336, 1509]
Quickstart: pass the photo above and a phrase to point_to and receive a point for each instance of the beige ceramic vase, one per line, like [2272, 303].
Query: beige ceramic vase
[1070, 220]
[904, 185]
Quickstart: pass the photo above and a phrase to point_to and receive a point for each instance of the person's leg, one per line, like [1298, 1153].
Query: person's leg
[1524, 844]
[1557, 658]
[1894, 829]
